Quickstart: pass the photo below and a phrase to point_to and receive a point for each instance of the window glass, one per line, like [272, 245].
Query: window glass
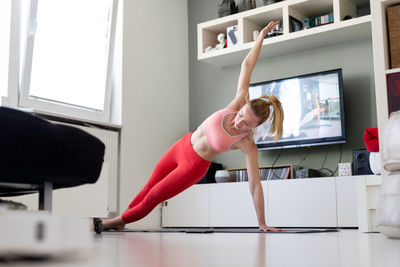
[70, 52]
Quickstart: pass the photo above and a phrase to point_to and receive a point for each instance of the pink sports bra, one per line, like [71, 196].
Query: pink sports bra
[220, 140]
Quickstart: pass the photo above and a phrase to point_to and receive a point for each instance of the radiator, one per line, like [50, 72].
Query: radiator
[110, 139]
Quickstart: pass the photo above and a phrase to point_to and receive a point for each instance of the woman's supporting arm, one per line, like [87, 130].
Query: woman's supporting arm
[251, 153]
[255, 186]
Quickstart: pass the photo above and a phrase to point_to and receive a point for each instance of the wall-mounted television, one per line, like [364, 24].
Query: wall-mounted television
[313, 110]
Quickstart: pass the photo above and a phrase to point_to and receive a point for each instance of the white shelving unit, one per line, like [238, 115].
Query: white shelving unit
[392, 71]
[337, 32]
[381, 54]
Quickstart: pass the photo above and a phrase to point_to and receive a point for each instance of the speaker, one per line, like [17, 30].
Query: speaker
[361, 162]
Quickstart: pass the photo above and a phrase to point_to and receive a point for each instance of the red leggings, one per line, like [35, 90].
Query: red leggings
[178, 169]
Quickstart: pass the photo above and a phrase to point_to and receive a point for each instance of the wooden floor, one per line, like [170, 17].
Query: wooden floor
[343, 248]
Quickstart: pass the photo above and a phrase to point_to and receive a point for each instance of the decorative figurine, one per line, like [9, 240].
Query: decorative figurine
[208, 48]
[221, 44]
[221, 41]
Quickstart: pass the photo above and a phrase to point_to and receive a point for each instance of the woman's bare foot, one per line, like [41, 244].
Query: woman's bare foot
[115, 223]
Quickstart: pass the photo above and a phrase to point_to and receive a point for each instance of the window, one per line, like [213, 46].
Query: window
[68, 57]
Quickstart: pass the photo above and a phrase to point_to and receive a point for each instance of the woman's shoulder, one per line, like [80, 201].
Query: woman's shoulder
[246, 143]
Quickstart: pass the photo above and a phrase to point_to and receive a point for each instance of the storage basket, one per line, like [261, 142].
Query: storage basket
[393, 16]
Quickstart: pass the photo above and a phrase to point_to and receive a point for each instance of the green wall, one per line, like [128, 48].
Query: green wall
[211, 88]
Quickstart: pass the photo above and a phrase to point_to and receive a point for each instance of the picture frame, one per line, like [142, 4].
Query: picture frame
[393, 91]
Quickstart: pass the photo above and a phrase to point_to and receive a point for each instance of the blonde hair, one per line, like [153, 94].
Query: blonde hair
[261, 107]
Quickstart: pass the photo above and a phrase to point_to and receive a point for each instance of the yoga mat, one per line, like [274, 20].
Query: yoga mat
[226, 230]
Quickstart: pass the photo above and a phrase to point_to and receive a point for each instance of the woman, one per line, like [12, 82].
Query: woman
[187, 161]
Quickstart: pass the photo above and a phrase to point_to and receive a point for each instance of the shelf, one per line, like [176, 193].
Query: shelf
[388, 3]
[289, 42]
[326, 35]
[393, 71]
[304, 9]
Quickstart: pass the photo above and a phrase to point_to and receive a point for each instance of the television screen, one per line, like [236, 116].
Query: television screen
[313, 110]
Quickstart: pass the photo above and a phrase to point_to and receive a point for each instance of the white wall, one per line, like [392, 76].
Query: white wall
[155, 110]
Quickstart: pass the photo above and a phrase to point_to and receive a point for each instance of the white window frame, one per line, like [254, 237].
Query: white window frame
[38, 104]
[14, 56]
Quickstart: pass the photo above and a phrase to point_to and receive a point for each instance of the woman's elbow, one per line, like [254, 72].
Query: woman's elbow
[247, 64]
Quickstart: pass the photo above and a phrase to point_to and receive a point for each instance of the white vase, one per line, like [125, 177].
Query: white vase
[223, 176]
[375, 162]
[388, 209]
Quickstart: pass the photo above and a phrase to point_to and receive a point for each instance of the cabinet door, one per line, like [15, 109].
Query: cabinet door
[302, 203]
[188, 209]
[231, 205]
[346, 201]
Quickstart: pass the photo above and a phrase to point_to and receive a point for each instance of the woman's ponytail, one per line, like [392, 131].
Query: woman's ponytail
[261, 107]
[277, 117]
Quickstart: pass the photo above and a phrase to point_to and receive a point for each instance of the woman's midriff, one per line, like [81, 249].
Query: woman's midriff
[201, 145]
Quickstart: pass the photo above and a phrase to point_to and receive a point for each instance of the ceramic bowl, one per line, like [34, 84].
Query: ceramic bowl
[223, 176]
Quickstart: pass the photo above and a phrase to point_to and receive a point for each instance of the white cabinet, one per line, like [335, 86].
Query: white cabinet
[368, 188]
[231, 205]
[248, 21]
[302, 203]
[191, 208]
[346, 199]
[313, 202]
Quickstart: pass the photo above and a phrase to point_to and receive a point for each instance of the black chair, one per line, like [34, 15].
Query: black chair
[39, 155]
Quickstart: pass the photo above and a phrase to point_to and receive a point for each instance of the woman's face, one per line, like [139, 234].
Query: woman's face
[245, 119]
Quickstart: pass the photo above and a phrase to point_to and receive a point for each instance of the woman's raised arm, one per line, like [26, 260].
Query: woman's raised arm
[248, 64]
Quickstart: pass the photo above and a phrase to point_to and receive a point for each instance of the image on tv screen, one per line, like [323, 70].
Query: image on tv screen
[312, 108]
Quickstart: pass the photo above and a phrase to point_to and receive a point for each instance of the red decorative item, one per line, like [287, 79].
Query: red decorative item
[393, 91]
[371, 139]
